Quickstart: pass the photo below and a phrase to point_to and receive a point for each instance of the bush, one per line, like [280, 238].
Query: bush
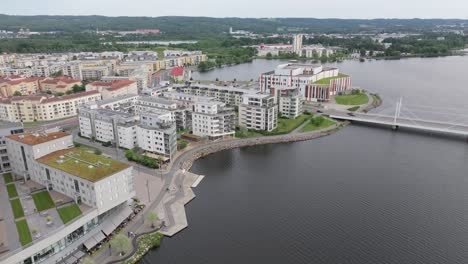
[131, 155]
[97, 152]
[107, 144]
[181, 144]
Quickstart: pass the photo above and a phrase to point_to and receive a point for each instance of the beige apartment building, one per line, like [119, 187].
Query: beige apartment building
[44, 108]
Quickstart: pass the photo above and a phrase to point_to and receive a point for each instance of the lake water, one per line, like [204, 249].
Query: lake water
[360, 196]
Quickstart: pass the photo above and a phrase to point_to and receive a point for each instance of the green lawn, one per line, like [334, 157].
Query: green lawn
[8, 177]
[286, 125]
[352, 99]
[317, 123]
[23, 232]
[17, 208]
[12, 192]
[68, 213]
[354, 108]
[43, 201]
[247, 134]
[326, 81]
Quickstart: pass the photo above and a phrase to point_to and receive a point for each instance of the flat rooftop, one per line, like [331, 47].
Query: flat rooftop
[83, 164]
[37, 138]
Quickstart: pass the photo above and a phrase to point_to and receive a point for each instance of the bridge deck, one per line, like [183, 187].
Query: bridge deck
[418, 124]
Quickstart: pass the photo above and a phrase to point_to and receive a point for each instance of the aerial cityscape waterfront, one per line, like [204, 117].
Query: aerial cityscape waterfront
[179, 139]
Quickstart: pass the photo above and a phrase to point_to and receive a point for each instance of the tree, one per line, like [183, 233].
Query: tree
[362, 52]
[17, 93]
[120, 243]
[69, 92]
[152, 218]
[87, 260]
[269, 55]
[57, 74]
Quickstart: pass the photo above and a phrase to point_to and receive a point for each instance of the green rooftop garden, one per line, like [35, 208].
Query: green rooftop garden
[23, 232]
[12, 192]
[8, 177]
[43, 201]
[326, 81]
[83, 164]
[17, 208]
[68, 213]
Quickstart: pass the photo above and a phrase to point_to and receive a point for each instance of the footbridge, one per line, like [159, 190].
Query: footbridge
[451, 121]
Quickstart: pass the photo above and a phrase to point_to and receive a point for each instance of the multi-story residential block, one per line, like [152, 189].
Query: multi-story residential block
[156, 133]
[212, 119]
[6, 129]
[178, 112]
[151, 130]
[44, 108]
[99, 186]
[19, 84]
[313, 83]
[113, 89]
[72, 69]
[58, 84]
[258, 112]
[94, 72]
[226, 94]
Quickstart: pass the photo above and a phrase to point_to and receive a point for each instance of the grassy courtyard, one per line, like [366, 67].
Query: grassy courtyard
[17, 208]
[8, 177]
[317, 123]
[286, 125]
[352, 99]
[12, 192]
[23, 232]
[43, 201]
[68, 213]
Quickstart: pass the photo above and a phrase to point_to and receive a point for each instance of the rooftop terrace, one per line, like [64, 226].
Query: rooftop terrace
[37, 138]
[83, 164]
[326, 81]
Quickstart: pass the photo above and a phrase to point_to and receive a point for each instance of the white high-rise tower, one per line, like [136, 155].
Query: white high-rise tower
[297, 44]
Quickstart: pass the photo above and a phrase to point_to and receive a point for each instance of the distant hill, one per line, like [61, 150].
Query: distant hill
[193, 26]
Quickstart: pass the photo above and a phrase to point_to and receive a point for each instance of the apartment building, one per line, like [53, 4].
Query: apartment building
[94, 72]
[258, 112]
[113, 89]
[178, 113]
[6, 129]
[312, 82]
[227, 94]
[153, 131]
[19, 84]
[72, 69]
[156, 133]
[100, 186]
[59, 84]
[212, 119]
[44, 108]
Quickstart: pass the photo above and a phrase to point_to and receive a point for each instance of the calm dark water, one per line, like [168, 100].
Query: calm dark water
[360, 196]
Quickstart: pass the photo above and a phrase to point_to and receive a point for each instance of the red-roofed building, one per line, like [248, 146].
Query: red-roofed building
[44, 108]
[16, 83]
[59, 84]
[113, 88]
[179, 74]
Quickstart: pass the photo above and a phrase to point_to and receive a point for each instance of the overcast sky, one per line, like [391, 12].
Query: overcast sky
[243, 8]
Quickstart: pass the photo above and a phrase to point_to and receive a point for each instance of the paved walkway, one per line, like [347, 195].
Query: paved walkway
[174, 177]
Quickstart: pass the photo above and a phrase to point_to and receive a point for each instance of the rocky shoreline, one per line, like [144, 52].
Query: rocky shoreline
[239, 143]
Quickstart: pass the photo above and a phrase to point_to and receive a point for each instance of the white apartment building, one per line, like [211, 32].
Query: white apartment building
[312, 82]
[94, 72]
[179, 114]
[297, 44]
[102, 184]
[212, 119]
[156, 133]
[72, 69]
[153, 131]
[6, 129]
[226, 94]
[258, 112]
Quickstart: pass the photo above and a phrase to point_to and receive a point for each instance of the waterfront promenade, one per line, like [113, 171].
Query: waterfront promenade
[174, 191]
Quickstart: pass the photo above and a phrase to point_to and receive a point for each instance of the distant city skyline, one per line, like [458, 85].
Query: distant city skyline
[364, 9]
